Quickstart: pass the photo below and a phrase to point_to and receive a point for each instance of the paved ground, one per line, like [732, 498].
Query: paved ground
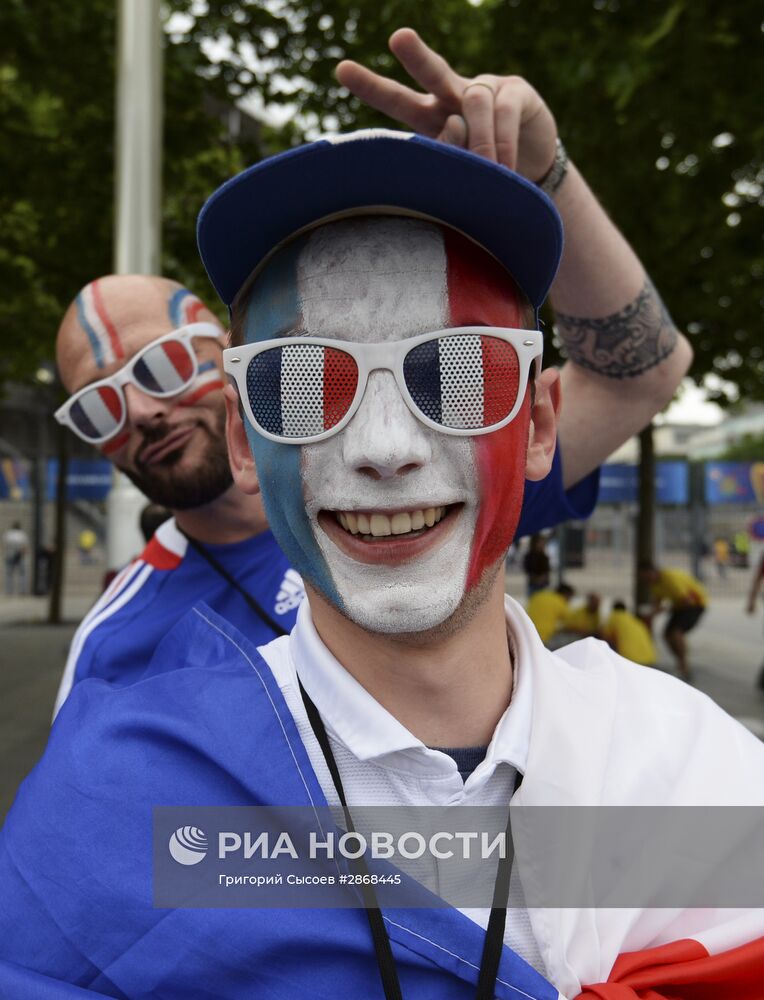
[727, 649]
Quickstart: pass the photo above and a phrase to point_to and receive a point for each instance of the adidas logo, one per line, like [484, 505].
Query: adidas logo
[291, 593]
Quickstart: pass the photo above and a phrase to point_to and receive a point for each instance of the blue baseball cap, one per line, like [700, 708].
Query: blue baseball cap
[379, 171]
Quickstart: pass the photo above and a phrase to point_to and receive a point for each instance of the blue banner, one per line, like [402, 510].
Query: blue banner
[86, 479]
[733, 482]
[672, 482]
[619, 483]
[14, 479]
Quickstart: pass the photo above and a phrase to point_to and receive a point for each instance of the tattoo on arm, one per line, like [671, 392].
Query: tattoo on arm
[625, 344]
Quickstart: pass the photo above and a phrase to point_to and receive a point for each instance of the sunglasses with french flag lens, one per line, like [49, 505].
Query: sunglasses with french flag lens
[164, 368]
[463, 381]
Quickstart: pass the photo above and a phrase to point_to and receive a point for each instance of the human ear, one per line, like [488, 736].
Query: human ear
[239, 453]
[542, 435]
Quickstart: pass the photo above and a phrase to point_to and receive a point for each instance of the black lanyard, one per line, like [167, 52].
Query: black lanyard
[261, 613]
[494, 935]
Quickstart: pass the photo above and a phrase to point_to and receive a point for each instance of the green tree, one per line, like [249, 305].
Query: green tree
[749, 449]
[657, 103]
[57, 62]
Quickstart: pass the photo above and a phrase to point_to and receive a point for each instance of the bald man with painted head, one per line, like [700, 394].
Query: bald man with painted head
[142, 359]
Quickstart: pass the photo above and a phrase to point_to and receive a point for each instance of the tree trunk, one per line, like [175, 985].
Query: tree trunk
[645, 534]
[59, 555]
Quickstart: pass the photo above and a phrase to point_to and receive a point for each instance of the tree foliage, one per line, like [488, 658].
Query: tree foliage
[57, 73]
[750, 448]
[657, 103]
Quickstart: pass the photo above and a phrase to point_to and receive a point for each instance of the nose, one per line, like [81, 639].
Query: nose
[384, 438]
[143, 410]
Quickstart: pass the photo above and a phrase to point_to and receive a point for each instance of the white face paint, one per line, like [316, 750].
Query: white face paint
[373, 280]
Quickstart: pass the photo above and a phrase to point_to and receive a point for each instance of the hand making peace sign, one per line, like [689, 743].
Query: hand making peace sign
[499, 117]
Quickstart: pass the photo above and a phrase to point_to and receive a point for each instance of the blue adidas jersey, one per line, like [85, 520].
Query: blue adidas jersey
[117, 639]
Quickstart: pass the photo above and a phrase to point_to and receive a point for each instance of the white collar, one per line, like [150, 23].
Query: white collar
[370, 732]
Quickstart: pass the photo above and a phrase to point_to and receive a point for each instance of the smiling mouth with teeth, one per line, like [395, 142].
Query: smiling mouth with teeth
[379, 525]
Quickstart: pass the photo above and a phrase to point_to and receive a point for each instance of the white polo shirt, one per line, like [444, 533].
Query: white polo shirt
[382, 764]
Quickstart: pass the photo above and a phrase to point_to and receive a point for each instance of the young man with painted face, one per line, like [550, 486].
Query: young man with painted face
[142, 359]
[171, 445]
[389, 406]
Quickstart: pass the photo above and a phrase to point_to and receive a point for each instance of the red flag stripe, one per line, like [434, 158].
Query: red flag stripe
[340, 383]
[112, 401]
[683, 970]
[178, 356]
[116, 343]
[501, 376]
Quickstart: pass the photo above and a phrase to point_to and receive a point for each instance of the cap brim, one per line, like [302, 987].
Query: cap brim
[261, 208]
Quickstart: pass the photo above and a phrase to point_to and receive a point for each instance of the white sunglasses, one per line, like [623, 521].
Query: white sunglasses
[465, 381]
[163, 368]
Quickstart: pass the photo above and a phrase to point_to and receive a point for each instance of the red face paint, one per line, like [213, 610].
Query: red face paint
[200, 393]
[481, 292]
[115, 444]
[103, 315]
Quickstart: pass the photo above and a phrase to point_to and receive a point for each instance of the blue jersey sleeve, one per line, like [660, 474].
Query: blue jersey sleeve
[546, 503]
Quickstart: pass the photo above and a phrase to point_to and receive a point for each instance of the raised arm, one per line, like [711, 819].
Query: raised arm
[625, 357]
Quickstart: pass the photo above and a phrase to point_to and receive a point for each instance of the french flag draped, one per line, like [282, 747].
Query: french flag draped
[686, 970]
[76, 914]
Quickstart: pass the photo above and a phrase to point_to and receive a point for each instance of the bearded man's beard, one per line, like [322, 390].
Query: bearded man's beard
[165, 484]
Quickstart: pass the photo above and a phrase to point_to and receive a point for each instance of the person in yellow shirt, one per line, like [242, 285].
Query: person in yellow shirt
[686, 599]
[629, 636]
[584, 619]
[548, 610]
[86, 543]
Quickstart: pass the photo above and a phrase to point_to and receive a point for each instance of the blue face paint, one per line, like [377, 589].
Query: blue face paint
[175, 306]
[275, 310]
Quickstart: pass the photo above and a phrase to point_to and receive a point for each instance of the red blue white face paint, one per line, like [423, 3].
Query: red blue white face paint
[387, 474]
[208, 379]
[184, 307]
[101, 332]
[479, 291]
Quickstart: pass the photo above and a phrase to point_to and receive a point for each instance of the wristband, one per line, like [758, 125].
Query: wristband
[556, 174]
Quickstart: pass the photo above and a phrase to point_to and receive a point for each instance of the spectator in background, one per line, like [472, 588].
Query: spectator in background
[741, 546]
[15, 545]
[548, 610]
[721, 551]
[755, 587]
[629, 636]
[85, 545]
[584, 619]
[685, 598]
[536, 565]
